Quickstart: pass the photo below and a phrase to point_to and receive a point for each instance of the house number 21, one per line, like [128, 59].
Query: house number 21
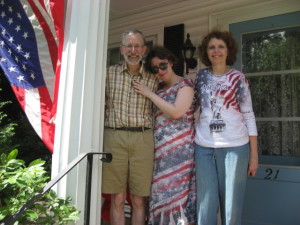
[271, 174]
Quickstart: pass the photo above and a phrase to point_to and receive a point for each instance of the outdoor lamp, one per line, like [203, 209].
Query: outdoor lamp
[188, 50]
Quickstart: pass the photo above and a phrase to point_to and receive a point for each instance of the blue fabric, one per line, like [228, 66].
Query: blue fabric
[221, 175]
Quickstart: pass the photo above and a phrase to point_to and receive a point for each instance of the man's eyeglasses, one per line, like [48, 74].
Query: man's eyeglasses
[131, 47]
[162, 66]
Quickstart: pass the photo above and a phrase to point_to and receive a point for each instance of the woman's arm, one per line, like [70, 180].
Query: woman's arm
[174, 110]
[253, 160]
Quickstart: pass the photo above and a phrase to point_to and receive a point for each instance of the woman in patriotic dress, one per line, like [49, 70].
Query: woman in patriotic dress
[173, 197]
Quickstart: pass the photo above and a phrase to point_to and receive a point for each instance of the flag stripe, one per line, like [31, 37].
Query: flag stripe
[46, 31]
[57, 12]
[33, 109]
[46, 115]
[19, 92]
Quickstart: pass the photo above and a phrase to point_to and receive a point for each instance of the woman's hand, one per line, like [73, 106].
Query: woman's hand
[253, 166]
[174, 110]
[141, 88]
[253, 160]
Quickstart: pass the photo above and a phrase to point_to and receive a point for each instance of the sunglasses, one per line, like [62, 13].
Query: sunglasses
[162, 66]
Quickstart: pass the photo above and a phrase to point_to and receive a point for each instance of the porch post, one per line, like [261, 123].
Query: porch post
[79, 119]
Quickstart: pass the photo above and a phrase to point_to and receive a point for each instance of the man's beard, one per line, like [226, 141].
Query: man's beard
[133, 63]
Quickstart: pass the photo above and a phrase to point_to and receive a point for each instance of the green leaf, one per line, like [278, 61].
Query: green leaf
[31, 214]
[21, 182]
[13, 154]
[3, 159]
[12, 180]
[14, 164]
[3, 213]
[39, 207]
[37, 162]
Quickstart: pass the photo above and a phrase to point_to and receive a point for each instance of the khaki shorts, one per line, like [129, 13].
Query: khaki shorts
[132, 163]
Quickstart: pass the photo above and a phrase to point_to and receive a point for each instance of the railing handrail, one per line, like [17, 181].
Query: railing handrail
[11, 219]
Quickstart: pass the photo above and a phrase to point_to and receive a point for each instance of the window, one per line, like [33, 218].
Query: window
[271, 61]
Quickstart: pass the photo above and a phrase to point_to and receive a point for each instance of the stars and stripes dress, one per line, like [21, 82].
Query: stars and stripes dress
[173, 196]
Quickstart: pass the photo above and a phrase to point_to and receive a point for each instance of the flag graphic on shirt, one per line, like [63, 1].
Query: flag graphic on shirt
[31, 40]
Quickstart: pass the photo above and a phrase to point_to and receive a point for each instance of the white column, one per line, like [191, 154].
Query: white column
[79, 120]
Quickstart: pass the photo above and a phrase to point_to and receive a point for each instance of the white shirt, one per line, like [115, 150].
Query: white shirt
[226, 114]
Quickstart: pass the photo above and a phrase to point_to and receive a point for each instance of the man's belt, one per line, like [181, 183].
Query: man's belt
[136, 129]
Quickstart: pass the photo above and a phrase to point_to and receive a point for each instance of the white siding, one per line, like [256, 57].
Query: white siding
[199, 16]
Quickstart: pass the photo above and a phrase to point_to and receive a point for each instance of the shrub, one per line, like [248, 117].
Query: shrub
[7, 128]
[19, 183]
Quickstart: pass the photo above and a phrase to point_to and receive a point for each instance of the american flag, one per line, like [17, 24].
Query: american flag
[31, 41]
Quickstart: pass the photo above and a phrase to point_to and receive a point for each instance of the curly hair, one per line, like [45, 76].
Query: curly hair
[225, 36]
[161, 53]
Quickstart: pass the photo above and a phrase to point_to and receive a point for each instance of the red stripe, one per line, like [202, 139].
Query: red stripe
[188, 132]
[164, 154]
[48, 34]
[57, 10]
[184, 179]
[230, 98]
[229, 94]
[47, 127]
[20, 94]
[189, 117]
[164, 124]
[184, 194]
[173, 172]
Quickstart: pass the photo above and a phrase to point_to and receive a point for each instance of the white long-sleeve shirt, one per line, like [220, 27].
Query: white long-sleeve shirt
[226, 114]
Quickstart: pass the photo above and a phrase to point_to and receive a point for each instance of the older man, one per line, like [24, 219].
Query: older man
[128, 132]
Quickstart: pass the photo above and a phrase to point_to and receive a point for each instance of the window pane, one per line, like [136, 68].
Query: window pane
[279, 138]
[276, 95]
[114, 56]
[271, 50]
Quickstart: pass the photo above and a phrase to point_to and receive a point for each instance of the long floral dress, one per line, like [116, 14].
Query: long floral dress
[173, 196]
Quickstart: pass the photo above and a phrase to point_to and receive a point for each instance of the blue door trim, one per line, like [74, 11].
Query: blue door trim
[267, 23]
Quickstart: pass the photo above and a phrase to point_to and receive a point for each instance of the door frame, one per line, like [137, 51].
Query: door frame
[222, 19]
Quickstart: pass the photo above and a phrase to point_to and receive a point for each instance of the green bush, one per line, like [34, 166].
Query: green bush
[7, 128]
[19, 183]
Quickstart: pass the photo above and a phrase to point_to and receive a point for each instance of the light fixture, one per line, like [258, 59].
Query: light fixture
[188, 50]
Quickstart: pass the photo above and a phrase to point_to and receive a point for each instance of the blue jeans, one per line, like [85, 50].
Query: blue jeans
[221, 175]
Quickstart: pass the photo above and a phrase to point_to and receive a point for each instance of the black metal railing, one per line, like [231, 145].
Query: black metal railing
[107, 157]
